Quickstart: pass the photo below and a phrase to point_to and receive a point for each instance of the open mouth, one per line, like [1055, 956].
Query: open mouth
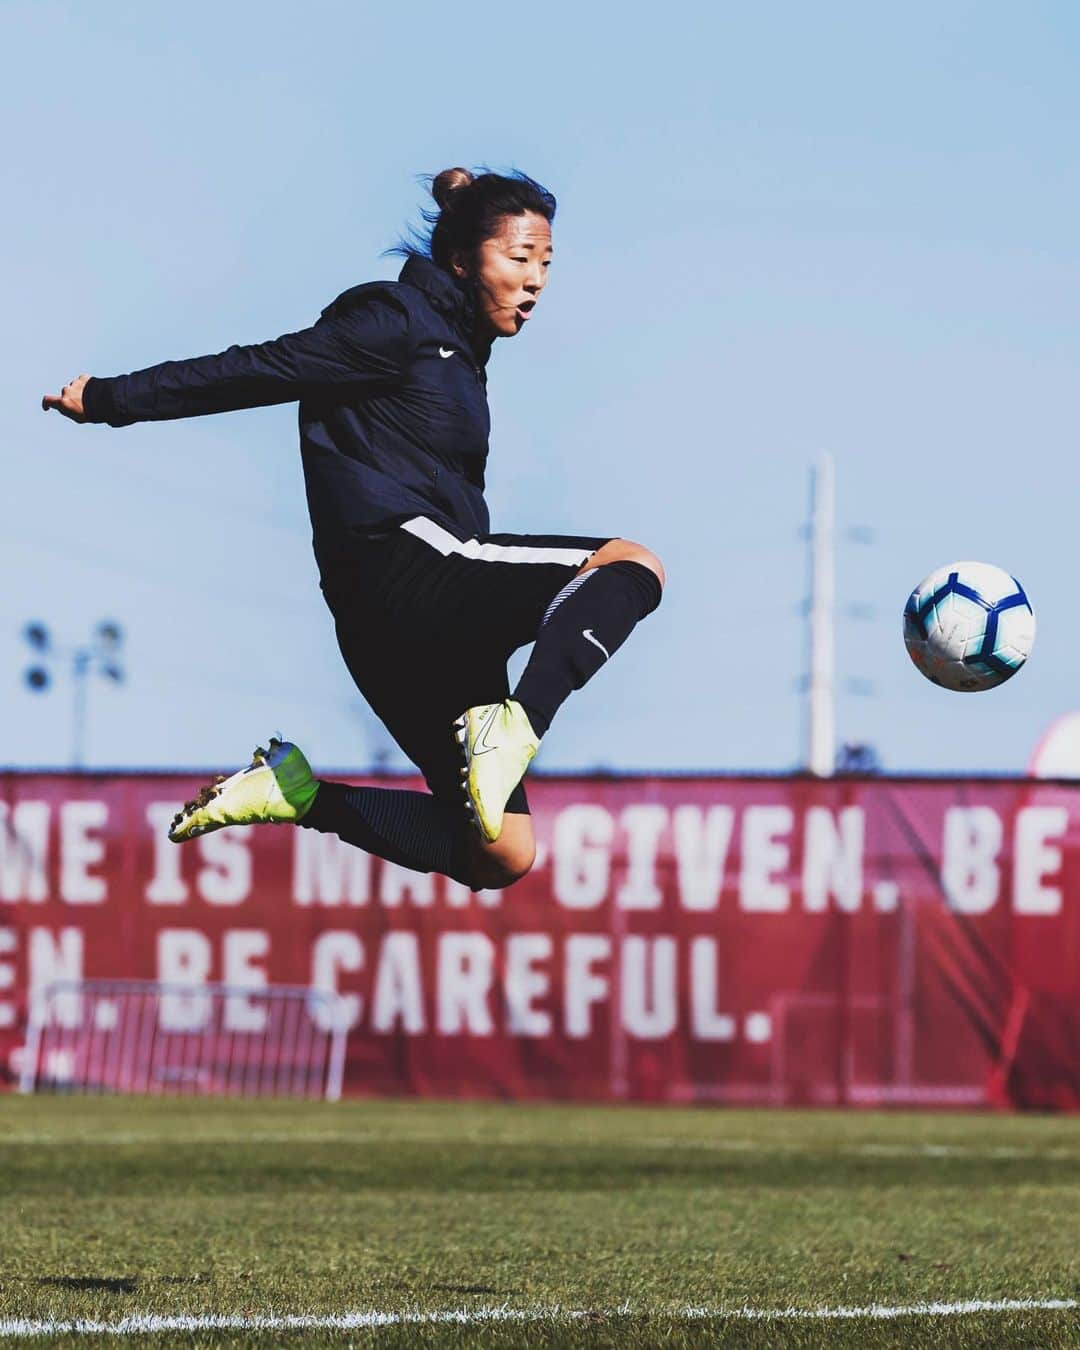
[526, 308]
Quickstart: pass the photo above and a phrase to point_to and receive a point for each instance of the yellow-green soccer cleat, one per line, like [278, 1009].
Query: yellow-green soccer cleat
[276, 787]
[497, 742]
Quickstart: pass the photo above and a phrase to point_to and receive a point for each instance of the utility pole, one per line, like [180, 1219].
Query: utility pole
[820, 688]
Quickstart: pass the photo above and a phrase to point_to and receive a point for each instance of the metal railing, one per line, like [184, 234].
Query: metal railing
[145, 1037]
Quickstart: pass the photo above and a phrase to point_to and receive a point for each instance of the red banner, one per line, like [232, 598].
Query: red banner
[680, 939]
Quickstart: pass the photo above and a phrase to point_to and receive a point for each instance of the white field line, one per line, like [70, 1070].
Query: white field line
[121, 1138]
[148, 1322]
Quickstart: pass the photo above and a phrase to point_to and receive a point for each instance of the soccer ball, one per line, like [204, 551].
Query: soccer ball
[969, 626]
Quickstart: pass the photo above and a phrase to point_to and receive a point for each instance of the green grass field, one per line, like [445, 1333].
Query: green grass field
[119, 1208]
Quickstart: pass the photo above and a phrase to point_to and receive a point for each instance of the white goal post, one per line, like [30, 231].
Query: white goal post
[145, 1037]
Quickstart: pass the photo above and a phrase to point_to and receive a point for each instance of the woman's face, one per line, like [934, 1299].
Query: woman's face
[512, 271]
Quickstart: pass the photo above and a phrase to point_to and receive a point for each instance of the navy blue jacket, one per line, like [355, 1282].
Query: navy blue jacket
[394, 418]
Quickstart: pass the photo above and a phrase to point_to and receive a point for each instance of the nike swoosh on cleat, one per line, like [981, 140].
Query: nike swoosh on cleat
[446, 354]
[480, 745]
[587, 634]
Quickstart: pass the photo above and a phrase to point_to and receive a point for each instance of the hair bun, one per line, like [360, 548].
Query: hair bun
[445, 184]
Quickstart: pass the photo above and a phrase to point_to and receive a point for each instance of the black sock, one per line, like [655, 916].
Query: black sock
[586, 623]
[413, 829]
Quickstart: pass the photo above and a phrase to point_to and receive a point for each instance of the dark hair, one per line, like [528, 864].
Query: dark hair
[470, 209]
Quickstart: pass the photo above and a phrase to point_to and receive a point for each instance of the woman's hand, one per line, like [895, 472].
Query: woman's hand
[69, 400]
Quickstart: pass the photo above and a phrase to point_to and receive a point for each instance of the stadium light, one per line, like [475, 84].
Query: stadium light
[37, 635]
[100, 656]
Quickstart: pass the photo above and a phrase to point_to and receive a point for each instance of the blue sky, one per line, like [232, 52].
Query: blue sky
[782, 230]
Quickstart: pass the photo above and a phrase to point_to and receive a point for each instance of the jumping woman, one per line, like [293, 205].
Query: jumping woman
[428, 604]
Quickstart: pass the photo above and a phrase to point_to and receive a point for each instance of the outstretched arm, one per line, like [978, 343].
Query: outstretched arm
[363, 346]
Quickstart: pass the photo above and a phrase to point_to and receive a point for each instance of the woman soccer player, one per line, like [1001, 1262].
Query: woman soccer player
[428, 604]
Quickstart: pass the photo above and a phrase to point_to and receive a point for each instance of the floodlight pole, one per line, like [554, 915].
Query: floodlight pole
[80, 668]
[821, 692]
[101, 654]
